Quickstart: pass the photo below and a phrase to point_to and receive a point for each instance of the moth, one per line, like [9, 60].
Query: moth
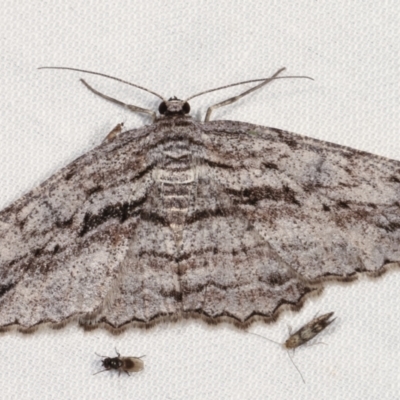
[303, 335]
[121, 364]
[308, 331]
[219, 220]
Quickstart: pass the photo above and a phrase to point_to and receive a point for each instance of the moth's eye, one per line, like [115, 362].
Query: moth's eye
[186, 108]
[162, 108]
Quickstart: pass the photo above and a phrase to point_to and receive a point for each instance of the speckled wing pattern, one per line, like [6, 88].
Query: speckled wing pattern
[221, 220]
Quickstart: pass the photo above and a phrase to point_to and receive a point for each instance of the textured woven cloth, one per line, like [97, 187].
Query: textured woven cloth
[180, 48]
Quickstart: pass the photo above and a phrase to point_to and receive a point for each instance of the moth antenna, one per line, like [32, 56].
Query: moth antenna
[130, 107]
[106, 76]
[240, 95]
[119, 355]
[244, 82]
[273, 341]
[291, 359]
[256, 334]
[98, 355]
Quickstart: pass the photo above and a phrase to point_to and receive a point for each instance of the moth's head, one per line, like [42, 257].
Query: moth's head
[292, 342]
[174, 106]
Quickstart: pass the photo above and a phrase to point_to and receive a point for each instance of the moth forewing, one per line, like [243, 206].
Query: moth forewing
[308, 331]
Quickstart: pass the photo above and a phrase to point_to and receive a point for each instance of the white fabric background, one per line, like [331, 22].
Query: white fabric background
[179, 48]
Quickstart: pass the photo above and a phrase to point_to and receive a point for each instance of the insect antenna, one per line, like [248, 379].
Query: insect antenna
[291, 359]
[130, 107]
[280, 344]
[106, 76]
[250, 81]
[134, 108]
[245, 93]
[256, 334]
